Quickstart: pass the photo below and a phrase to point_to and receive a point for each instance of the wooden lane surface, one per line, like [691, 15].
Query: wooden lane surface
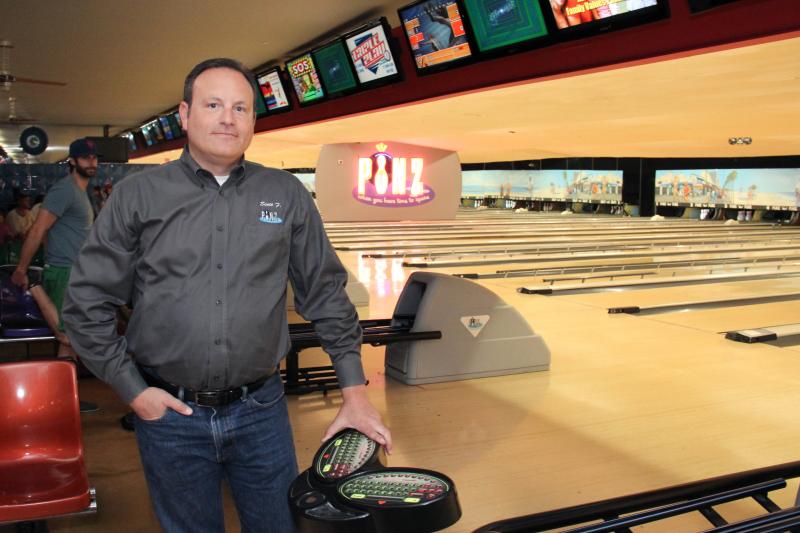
[609, 259]
[731, 319]
[669, 295]
[368, 241]
[629, 405]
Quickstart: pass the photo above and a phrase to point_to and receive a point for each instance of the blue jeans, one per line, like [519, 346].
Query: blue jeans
[247, 442]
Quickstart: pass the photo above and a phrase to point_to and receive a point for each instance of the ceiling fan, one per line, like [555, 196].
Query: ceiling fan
[7, 79]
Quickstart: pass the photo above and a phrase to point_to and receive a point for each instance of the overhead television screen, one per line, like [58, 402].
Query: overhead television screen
[333, 64]
[177, 116]
[505, 24]
[305, 79]
[371, 53]
[175, 123]
[273, 91]
[436, 34]
[166, 127]
[152, 133]
[261, 107]
[155, 130]
[131, 141]
[599, 15]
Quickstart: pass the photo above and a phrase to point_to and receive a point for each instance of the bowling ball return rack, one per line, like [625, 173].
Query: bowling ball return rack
[376, 332]
[625, 512]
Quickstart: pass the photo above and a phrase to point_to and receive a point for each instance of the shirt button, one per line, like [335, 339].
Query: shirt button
[217, 341]
[219, 228]
[219, 266]
[219, 302]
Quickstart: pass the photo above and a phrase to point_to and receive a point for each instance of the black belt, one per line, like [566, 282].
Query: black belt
[210, 398]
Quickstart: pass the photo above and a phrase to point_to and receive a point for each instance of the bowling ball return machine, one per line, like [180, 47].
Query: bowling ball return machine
[443, 328]
[348, 489]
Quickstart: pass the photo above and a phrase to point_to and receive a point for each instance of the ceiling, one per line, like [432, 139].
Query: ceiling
[686, 106]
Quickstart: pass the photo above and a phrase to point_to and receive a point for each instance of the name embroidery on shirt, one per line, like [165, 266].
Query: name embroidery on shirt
[269, 213]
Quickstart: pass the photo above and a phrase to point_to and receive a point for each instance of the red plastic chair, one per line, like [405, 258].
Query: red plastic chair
[42, 472]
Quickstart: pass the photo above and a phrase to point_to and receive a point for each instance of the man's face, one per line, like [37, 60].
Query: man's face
[220, 122]
[86, 166]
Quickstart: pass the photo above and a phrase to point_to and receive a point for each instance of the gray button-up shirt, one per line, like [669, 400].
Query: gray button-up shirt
[206, 268]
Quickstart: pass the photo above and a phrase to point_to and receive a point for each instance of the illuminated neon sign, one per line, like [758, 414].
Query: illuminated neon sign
[387, 181]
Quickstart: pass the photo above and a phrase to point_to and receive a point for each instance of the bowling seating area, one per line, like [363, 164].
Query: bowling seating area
[42, 468]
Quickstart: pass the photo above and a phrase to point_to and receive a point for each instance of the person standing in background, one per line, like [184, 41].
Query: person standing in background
[64, 220]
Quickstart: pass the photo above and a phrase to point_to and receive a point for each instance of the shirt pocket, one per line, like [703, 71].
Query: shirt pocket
[267, 255]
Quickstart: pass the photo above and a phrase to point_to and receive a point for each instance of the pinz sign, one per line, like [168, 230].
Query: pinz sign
[388, 181]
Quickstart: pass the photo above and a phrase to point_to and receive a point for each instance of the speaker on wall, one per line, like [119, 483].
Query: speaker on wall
[111, 149]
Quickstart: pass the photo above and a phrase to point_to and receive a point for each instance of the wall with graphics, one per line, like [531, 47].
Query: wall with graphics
[384, 180]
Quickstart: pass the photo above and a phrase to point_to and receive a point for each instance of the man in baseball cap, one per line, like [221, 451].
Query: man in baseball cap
[65, 218]
[82, 148]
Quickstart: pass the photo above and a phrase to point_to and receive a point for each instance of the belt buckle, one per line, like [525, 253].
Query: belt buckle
[207, 398]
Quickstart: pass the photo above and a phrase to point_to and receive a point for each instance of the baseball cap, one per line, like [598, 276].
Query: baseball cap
[82, 148]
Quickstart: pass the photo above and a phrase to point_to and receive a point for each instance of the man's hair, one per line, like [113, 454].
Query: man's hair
[219, 62]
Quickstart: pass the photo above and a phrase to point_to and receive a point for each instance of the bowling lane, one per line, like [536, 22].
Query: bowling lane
[735, 318]
[567, 261]
[630, 404]
[675, 295]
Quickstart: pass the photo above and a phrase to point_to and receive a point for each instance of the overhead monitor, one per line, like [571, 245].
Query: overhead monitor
[305, 79]
[131, 141]
[166, 127]
[273, 91]
[505, 25]
[333, 63]
[372, 54]
[177, 116]
[261, 107]
[152, 133]
[175, 123]
[580, 17]
[436, 34]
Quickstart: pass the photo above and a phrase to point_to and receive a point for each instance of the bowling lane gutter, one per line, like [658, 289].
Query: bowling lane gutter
[562, 256]
[703, 304]
[378, 238]
[633, 268]
[500, 240]
[551, 245]
[650, 284]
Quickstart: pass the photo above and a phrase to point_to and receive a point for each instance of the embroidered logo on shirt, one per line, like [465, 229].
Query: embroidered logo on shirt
[268, 216]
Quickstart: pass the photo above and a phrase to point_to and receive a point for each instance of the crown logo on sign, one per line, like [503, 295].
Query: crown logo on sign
[381, 147]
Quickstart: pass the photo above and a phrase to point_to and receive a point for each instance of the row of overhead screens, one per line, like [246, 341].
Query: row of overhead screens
[440, 34]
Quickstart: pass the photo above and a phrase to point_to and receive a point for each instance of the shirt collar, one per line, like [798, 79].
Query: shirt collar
[202, 177]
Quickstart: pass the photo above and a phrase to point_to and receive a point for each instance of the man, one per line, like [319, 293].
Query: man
[203, 247]
[21, 218]
[65, 219]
